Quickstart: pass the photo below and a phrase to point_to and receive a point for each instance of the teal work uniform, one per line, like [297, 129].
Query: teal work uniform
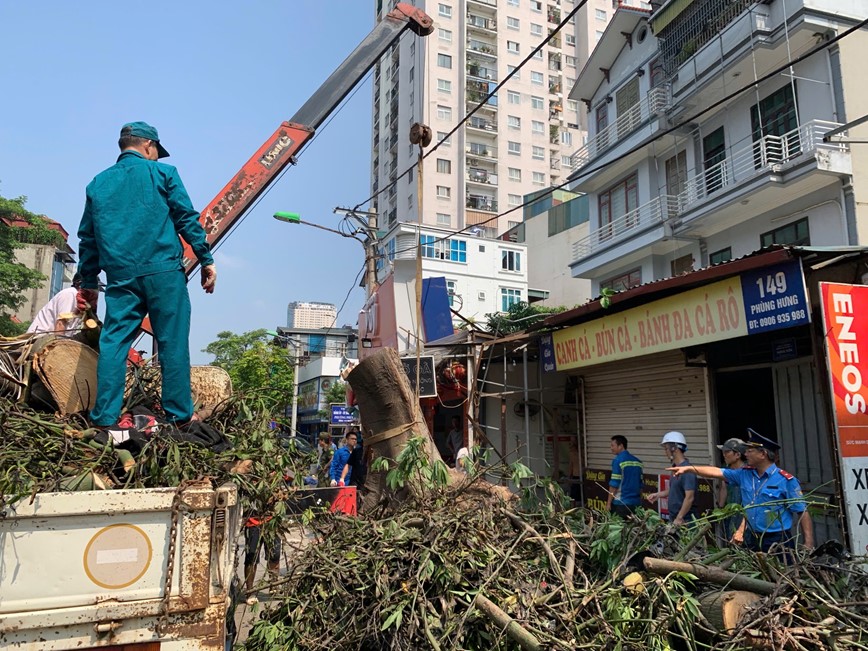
[134, 213]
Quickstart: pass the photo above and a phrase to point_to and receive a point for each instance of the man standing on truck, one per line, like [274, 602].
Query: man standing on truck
[134, 213]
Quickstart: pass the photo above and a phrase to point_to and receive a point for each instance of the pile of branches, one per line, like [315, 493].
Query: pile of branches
[40, 452]
[461, 569]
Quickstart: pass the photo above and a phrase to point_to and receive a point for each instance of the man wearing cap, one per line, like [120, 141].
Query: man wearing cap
[134, 213]
[733, 456]
[772, 497]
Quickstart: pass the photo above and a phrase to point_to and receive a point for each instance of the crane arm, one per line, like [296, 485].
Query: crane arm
[280, 149]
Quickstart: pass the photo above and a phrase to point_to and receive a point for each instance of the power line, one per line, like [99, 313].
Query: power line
[818, 48]
[481, 104]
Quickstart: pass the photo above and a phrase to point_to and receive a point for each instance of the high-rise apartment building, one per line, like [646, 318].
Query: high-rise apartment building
[310, 315]
[520, 141]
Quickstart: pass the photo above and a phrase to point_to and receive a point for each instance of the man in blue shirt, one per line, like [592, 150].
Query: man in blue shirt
[772, 497]
[625, 484]
[134, 214]
[340, 471]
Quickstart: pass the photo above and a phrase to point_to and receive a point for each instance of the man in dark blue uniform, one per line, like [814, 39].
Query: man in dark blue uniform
[625, 484]
[772, 497]
[134, 214]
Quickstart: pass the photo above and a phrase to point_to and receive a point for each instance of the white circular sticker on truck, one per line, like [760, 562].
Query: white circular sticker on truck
[117, 556]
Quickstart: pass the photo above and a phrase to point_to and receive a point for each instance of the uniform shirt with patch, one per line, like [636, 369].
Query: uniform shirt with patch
[769, 499]
[627, 478]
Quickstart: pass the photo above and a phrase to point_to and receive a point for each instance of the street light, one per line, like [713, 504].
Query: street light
[297, 348]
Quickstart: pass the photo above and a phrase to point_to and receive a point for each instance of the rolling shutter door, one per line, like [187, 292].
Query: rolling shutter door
[642, 399]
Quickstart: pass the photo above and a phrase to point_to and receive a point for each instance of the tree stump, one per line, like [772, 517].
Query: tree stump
[389, 412]
[724, 608]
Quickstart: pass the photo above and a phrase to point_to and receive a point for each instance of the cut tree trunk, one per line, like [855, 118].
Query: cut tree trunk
[67, 371]
[725, 608]
[390, 415]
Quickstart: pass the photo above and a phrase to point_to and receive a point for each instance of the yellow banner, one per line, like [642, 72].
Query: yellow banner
[709, 313]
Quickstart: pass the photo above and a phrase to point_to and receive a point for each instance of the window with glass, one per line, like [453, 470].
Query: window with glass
[444, 60]
[537, 78]
[538, 153]
[600, 14]
[536, 5]
[570, 40]
[538, 55]
[714, 160]
[539, 178]
[509, 70]
[444, 219]
[445, 10]
[444, 35]
[514, 147]
[719, 257]
[444, 112]
[623, 281]
[536, 30]
[438, 249]
[512, 23]
[537, 102]
[513, 97]
[515, 200]
[616, 202]
[451, 292]
[514, 122]
[508, 298]
[570, 61]
[390, 249]
[444, 191]
[510, 260]
[512, 3]
[442, 135]
[444, 85]
[796, 233]
[514, 174]
[512, 47]
[537, 127]
[444, 166]
[566, 138]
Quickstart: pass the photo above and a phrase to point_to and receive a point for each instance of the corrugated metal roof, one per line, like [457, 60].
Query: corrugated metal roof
[667, 286]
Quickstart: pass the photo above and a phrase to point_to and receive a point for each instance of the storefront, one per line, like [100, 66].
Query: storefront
[709, 354]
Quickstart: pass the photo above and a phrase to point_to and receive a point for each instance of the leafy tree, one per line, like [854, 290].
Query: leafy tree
[16, 278]
[518, 318]
[337, 393]
[255, 364]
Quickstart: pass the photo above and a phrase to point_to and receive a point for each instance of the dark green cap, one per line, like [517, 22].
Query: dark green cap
[144, 130]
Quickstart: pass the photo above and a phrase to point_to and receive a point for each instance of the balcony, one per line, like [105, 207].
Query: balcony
[482, 151]
[651, 214]
[478, 22]
[553, 14]
[768, 172]
[489, 3]
[479, 202]
[654, 104]
[479, 47]
[481, 72]
[770, 154]
[481, 124]
[482, 176]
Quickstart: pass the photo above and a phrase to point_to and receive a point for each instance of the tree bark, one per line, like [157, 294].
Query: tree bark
[711, 575]
[390, 414]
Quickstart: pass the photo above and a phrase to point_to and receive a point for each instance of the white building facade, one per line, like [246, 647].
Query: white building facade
[518, 142]
[679, 178]
[483, 275]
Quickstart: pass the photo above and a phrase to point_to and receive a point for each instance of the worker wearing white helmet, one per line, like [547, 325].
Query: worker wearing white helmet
[682, 489]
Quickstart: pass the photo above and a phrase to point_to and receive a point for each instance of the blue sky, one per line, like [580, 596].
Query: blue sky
[216, 79]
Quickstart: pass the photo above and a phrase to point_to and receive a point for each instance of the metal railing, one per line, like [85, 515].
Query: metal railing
[481, 23]
[654, 212]
[482, 48]
[481, 123]
[655, 102]
[768, 154]
[479, 175]
[475, 202]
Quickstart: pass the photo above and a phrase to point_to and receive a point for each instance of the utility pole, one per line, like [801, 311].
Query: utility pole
[369, 228]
